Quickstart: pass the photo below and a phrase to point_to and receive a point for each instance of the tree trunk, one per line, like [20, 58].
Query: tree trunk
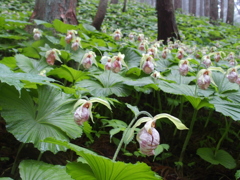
[177, 4]
[222, 9]
[192, 7]
[167, 27]
[48, 10]
[114, 1]
[185, 6]
[124, 6]
[101, 12]
[213, 11]
[230, 12]
[201, 11]
[207, 8]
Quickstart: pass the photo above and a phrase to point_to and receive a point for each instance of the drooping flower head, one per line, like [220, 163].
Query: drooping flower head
[118, 62]
[206, 61]
[143, 45]
[140, 37]
[70, 36]
[84, 110]
[152, 51]
[148, 138]
[37, 34]
[117, 35]
[232, 74]
[76, 43]
[184, 67]
[52, 55]
[147, 63]
[89, 59]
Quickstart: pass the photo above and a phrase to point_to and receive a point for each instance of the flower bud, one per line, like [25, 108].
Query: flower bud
[82, 113]
[148, 139]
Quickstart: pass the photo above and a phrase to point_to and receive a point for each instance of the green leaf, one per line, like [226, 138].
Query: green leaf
[37, 170]
[198, 103]
[80, 171]
[134, 109]
[68, 73]
[105, 169]
[30, 52]
[223, 84]
[132, 57]
[227, 108]
[30, 122]
[6, 178]
[62, 27]
[219, 157]
[105, 84]
[30, 65]
[12, 78]
[237, 174]
[9, 61]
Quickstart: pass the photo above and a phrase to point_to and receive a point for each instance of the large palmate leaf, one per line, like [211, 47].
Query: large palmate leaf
[132, 57]
[14, 79]
[37, 170]
[226, 108]
[30, 65]
[102, 168]
[105, 84]
[69, 74]
[219, 157]
[223, 84]
[175, 76]
[30, 122]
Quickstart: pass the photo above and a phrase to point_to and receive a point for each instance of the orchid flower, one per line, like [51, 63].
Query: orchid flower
[52, 55]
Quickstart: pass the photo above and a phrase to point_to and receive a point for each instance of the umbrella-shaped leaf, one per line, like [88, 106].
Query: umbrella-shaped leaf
[30, 65]
[69, 74]
[219, 157]
[175, 76]
[105, 84]
[132, 57]
[80, 171]
[105, 169]
[226, 108]
[14, 79]
[37, 170]
[50, 117]
[223, 84]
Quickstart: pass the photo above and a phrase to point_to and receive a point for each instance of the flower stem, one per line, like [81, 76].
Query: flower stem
[188, 135]
[126, 130]
[16, 159]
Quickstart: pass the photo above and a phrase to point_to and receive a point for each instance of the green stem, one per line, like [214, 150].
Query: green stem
[39, 156]
[159, 101]
[228, 125]
[124, 133]
[180, 113]
[188, 135]
[209, 115]
[16, 159]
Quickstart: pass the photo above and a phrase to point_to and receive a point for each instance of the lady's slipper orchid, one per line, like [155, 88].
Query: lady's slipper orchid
[84, 111]
[117, 35]
[70, 36]
[147, 63]
[184, 67]
[140, 37]
[206, 61]
[131, 36]
[52, 55]
[143, 45]
[152, 51]
[76, 43]
[148, 139]
[118, 62]
[108, 65]
[165, 53]
[180, 53]
[88, 60]
[204, 77]
[232, 75]
[37, 34]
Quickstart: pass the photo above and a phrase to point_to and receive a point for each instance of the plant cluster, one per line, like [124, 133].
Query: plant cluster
[53, 83]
